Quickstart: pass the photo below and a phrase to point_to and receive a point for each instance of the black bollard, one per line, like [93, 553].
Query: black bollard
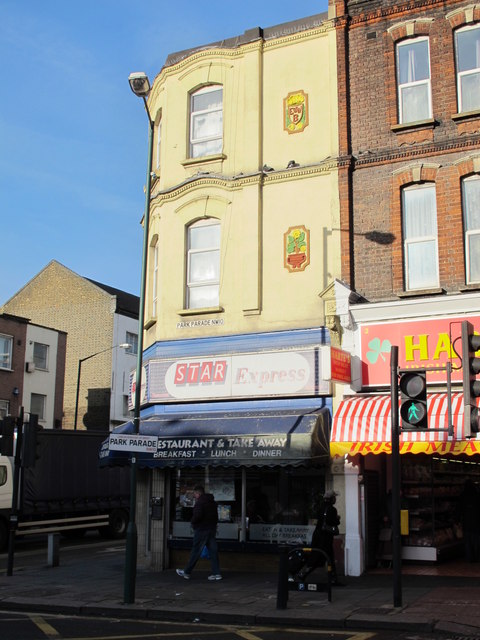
[282, 588]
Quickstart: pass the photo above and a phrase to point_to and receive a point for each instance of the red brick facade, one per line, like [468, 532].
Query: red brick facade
[382, 156]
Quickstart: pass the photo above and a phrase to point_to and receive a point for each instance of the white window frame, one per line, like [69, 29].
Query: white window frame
[216, 139]
[402, 87]
[471, 233]
[461, 75]
[414, 242]
[155, 280]
[213, 252]
[43, 402]
[6, 357]
[159, 142]
[36, 358]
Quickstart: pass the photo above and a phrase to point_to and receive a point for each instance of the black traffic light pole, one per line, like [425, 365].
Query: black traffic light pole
[396, 534]
[16, 483]
[414, 417]
[471, 386]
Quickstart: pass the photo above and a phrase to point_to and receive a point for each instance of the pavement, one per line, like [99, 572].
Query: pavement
[91, 583]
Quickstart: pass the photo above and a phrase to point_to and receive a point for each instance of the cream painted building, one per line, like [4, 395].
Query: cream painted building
[228, 152]
[244, 254]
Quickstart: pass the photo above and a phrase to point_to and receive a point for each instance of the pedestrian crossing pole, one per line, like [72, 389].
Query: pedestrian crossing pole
[396, 535]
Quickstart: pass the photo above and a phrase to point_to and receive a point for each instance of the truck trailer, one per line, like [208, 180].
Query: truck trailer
[65, 489]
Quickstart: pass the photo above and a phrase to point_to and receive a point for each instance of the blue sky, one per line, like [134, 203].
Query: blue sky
[73, 138]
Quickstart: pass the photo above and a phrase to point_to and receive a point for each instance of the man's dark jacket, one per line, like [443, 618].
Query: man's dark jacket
[205, 516]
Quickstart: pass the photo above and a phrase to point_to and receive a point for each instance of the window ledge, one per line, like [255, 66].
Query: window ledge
[200, 311]
[413, 126]
[466, 115]
[149, 323]
[421, 292]
[203, 159]
[474, 286]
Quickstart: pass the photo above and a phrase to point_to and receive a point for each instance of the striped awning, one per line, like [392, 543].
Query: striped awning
[362, 425]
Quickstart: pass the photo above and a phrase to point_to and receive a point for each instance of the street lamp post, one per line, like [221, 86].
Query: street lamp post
[124, 345]
[140, 86]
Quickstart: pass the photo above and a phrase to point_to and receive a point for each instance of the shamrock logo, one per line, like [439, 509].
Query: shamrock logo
[378, 349]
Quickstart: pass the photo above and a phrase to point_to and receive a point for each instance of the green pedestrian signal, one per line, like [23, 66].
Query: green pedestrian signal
[413, 394]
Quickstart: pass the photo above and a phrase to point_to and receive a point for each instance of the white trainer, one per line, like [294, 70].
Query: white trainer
[182, 574]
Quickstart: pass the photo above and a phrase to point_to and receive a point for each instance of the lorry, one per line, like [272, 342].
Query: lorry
[65, 490]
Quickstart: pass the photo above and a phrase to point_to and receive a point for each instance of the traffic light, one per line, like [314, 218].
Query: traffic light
[7, 427]
[471, 386]
[413, 394]
[29, 442]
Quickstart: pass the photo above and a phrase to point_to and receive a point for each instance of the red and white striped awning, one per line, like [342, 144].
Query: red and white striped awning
[362, 425]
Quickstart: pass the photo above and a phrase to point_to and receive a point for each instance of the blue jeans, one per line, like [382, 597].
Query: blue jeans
[202, 538]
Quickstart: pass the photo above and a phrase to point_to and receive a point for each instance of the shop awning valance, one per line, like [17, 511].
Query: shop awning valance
[270, 438]
[362, 425]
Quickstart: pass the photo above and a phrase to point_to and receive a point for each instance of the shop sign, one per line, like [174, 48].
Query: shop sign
[224, 448]
[215, 449]
[289, 533]
[421, 344]
[340, 365]
[455, 447]
[263, 374]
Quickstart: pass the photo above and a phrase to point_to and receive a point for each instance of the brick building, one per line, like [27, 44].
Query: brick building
[97, 319]
[410, 127]
[409, 132]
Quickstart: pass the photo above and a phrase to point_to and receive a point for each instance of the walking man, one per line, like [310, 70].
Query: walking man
[204, 523]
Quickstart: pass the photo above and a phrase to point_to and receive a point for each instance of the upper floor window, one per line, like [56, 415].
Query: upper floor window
[132, 340]
[203, 264]
[155, 280]
[38, 404]
[206, 121]
[6, 343]
[4, 409]
[40, 355]
[413, 79]
[159, 143]
[467, 49]
[471, 216]
[419, 211]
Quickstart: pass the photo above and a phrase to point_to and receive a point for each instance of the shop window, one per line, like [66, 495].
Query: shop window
[203, 264]
[6, 343]
[467, 49]
[281, 505]
[206, 121]
[471, 216]
[40, 355]
[413, 80]
[419, 214]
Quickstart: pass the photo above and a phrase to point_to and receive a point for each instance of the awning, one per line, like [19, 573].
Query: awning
[270, 438]
[362, 425]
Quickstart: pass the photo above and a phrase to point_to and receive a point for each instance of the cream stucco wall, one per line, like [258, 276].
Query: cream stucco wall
[255, 207]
